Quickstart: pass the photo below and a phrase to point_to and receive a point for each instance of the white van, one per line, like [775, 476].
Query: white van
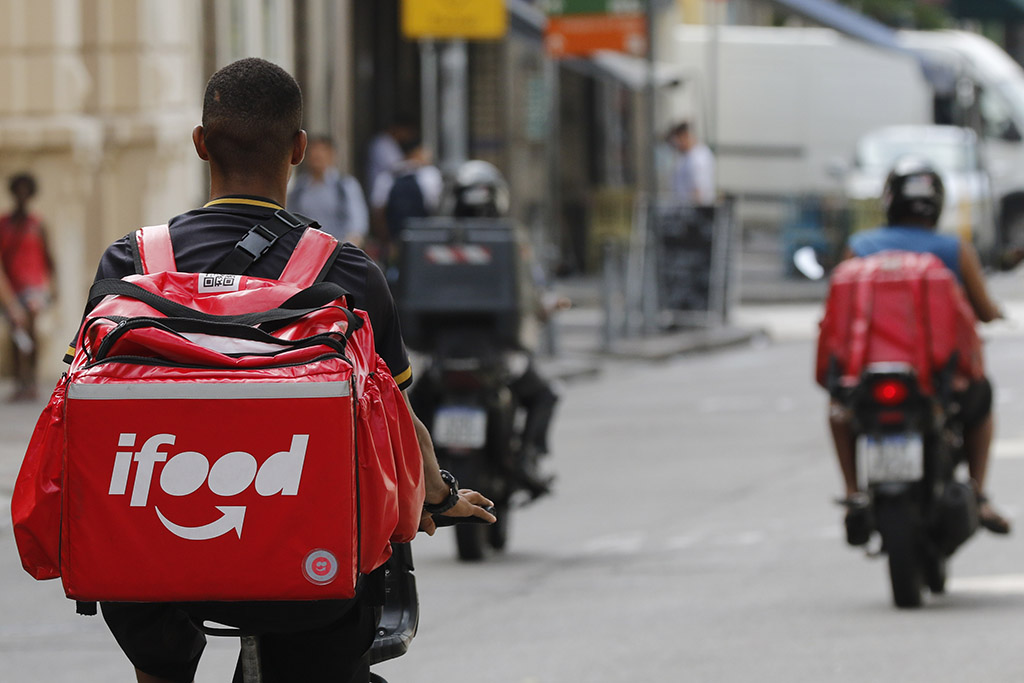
[993, 83]
[780, 105]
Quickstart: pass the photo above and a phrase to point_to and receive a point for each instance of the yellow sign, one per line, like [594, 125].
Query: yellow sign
[469, 19]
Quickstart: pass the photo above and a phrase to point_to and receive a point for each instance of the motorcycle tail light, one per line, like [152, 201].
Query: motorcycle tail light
[890, 392]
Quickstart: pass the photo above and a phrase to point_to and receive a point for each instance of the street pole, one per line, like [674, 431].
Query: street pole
[454, 113]
[430, 96]
[650, 191]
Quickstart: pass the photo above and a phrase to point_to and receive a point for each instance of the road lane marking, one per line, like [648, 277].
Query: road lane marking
[1008, 449]
[620, 544]
[1001, 584]
[743, 538]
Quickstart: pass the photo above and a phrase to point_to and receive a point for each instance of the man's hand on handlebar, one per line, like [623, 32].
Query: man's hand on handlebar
[471, 504]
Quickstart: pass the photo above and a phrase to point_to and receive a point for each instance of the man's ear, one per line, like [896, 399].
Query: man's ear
[299, 147]
[199, 140]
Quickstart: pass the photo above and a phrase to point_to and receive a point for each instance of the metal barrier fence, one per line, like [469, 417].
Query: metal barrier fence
[675, 272]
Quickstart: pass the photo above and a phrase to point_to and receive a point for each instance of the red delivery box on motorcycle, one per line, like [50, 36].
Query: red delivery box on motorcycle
[892, 307]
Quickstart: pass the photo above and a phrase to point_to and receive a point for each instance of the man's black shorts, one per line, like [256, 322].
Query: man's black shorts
[322, 641]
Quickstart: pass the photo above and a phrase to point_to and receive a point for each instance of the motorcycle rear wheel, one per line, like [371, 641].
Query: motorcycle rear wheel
[897, 522]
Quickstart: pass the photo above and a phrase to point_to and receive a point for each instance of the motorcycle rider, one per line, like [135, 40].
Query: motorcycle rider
[251, 137]
[479, 191]
[912, 199]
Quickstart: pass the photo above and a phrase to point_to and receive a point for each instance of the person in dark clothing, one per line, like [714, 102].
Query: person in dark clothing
[411, 190]
[251, 136]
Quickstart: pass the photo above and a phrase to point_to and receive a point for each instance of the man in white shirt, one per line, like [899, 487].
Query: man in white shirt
[335, 200]
[693, 179]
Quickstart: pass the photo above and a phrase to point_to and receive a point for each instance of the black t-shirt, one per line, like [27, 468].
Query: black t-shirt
[202, 237]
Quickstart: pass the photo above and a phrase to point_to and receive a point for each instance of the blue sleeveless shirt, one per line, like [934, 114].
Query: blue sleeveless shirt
[917, 240]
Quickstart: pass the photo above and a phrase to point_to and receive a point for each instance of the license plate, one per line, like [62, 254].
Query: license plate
[460, 427]
[891, 458]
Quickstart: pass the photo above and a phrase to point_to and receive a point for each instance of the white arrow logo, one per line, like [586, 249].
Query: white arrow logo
[232, 518]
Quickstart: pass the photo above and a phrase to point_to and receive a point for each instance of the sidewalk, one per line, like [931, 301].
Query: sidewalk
[580, 348]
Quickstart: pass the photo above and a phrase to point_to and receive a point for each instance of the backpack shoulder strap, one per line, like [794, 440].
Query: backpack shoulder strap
[152, 250]
[258, 242]
[312, 258]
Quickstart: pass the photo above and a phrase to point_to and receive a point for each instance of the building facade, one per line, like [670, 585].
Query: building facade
[102, 96]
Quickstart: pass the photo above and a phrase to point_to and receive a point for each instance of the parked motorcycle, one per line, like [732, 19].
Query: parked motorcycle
[909, 450]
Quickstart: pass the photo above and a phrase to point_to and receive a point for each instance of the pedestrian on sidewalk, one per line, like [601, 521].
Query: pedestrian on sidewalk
[332, 198]
[693, 178]
[28, 280]
[411, 190]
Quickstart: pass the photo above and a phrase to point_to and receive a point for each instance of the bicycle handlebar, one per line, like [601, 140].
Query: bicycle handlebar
[445, 520]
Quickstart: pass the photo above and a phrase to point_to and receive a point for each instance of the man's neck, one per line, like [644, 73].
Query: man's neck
[275, 191]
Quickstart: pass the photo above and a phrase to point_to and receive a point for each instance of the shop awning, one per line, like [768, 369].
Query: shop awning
[1002, 10]
[860, 27]
[844, 20]
[526, 20]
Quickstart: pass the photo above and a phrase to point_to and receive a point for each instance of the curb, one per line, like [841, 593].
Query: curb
[587, 363]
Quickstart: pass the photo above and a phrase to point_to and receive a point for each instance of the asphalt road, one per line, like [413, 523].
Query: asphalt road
[691, 538]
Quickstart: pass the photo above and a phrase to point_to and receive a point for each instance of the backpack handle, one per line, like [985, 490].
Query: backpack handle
[298, 305]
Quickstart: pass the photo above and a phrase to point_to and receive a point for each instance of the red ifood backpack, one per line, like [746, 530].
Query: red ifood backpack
[896, 306]
[219, 437]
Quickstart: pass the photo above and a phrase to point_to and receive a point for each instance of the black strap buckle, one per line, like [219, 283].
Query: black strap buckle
[257, 241]
[289, 219]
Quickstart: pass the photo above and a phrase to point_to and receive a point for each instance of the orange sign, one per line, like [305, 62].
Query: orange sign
[579, 35]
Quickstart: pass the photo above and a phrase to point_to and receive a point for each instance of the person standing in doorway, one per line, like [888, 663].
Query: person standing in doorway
[28, 270]
[335, 200]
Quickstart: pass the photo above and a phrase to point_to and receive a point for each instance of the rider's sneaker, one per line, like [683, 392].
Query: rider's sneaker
[858, 521]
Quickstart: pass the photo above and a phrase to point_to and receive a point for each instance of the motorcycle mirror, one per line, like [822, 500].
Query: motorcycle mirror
[806, 261]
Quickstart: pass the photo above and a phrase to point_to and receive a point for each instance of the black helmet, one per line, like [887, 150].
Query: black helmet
[913, 192]
[479, 191]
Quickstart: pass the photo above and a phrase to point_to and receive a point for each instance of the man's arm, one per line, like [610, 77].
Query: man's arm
[470, 502]
[974, 284]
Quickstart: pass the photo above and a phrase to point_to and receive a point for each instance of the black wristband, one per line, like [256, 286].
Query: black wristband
[449, 502]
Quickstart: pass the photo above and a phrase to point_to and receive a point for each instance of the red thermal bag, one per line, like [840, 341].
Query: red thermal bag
[219, 437]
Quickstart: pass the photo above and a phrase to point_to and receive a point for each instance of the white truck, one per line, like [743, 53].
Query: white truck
[784, 107]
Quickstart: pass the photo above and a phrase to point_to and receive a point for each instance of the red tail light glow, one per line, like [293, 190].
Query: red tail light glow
[890, 392]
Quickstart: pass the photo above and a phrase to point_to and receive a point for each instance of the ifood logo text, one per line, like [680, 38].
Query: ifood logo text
[187, 471]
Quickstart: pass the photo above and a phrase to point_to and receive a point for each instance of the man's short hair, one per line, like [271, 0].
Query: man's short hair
[252, 111]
